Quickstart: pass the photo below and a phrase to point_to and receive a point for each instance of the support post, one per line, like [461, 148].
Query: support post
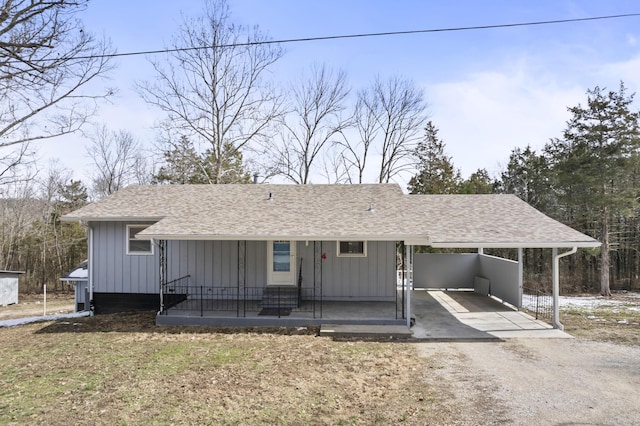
[555, 289]
[404, 284]
[317, 276]
[408, 249]
[163, 278]
[480, 250]
[520, 276]
[242, 269]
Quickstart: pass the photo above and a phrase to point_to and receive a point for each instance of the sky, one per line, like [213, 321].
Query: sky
[489, 91]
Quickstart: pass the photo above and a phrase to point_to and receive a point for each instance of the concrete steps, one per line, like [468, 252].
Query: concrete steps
[279, 297]
[371, 331]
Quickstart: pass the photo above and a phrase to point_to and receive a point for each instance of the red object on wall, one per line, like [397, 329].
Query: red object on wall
[324, 256]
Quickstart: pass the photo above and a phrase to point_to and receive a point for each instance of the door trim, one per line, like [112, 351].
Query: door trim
[275, 278]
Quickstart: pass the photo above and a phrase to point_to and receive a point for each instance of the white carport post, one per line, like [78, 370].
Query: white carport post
[556, 285]
[520, 274]
[407, 277]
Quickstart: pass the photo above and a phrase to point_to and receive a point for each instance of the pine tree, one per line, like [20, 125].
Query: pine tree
[185, 165]
[437, 174]
[479, 182]
[527, 176]
[591, 164]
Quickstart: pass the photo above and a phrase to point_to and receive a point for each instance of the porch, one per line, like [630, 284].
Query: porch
[243, 288]
[184, 304]
[250, 313]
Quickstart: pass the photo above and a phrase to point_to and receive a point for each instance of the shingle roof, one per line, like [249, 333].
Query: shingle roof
[331, 212]
[495, 220]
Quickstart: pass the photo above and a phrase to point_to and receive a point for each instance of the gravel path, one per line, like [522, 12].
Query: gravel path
[28, 320]
[538, 381]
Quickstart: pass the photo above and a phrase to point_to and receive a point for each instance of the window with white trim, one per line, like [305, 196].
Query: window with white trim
[135, 245]
[352, 248]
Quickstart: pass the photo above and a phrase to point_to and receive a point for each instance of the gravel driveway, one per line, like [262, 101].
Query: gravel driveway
[537, 381]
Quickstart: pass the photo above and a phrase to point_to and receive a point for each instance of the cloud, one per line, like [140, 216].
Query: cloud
[520, 102]
[627, 71]
[483, 117]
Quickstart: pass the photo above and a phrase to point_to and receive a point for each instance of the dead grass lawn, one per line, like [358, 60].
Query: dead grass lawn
[122, 369]
[32, 305]
[609, 323]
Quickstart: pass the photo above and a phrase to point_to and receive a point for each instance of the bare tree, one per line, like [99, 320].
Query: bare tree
[334, 169]
[355, 153]
[213, 89]
[314, 119]
[46, 62]
[19, 209]
[49, 236]
[118, 161]
[389, 117]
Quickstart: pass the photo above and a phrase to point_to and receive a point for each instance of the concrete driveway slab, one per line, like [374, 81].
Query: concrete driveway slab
[465, 315]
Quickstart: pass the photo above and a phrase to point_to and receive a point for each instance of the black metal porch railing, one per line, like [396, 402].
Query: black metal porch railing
[234, 301]
[538, 302]
[168, 296]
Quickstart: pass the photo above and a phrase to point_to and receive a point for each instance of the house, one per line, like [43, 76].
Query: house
[300, 254]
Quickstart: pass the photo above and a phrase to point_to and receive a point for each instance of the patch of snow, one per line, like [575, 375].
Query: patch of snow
[593, 302]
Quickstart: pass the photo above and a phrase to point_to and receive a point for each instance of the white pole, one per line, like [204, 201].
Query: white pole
[556, 289]
[45, 299]
[407, 278]
[520, 278]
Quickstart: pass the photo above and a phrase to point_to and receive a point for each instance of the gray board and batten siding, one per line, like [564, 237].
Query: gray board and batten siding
[369, 278]
[114, 271]
[215, 264]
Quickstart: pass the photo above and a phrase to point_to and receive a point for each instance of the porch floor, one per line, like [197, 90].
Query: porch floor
[329, 312]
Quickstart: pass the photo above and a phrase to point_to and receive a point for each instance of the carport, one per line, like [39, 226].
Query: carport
[465, 315]
[475, 223]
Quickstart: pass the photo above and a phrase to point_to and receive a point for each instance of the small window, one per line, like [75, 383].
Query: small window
[352, 248]
[136, 246]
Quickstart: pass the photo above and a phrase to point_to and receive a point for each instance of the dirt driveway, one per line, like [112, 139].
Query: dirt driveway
[538, 381]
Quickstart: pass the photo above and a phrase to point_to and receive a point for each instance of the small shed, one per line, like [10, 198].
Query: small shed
[9, 287]
[79, 278]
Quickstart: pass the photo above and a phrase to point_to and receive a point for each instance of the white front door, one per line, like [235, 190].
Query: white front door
[281, 263]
